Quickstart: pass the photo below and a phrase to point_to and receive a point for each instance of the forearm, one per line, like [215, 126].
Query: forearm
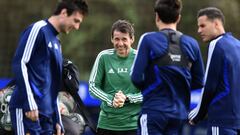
[134, 98]
[198, 113]
[24, 86]
[100, 94]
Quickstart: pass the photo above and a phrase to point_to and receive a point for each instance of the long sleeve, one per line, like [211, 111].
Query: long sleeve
[214, 70]
[135, 98]
[28, 43]
[140, 64]
[197, 71]
[96, 81]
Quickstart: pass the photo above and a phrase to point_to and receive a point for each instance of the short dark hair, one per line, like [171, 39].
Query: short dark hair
[123, 26]
[168, 10]
[72, 6]
[211, 13]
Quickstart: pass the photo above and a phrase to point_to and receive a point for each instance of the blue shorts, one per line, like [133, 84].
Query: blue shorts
[22, 125]
[158, 124]
[215, 130]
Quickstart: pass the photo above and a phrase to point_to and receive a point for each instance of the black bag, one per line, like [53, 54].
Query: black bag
[70, 76]
[71, 85]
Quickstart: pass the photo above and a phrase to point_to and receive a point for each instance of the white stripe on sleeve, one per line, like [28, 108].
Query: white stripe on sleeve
[212, 45]
[25, 59]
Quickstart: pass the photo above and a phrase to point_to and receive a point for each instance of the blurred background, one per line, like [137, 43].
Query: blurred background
[83, 46]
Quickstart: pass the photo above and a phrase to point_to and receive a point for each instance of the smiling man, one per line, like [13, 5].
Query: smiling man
[110, 82]
[37, 67]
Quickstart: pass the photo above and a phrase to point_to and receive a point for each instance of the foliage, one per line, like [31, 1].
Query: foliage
[83, 46]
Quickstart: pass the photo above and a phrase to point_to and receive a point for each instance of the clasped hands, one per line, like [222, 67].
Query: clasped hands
[119, 99]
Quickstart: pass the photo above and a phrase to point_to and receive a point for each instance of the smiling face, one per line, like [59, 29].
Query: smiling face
[207, 28]
[122, 43]
[71, 22]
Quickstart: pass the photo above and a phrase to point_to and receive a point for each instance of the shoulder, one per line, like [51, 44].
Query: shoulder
[150, 35]
[186, 39]
[34, 28]
[189, 43]
[228, 38]
[227, 43]
[39, 25]
[33, 32]
[37, 28]
[106, 53]
[152, 38]
[220, 42]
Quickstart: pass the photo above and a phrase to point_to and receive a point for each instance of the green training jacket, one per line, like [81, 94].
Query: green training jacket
[110, 74]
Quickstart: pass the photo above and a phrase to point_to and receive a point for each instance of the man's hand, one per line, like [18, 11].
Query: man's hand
[191, 122]
[58, 129]
[119, 99]
[32, 115]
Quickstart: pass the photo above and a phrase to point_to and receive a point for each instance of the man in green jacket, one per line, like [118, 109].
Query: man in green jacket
[110, 82]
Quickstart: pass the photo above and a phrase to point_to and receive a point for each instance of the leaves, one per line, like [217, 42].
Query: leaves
[94, 35]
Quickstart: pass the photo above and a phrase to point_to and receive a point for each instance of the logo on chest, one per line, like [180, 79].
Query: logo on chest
[54, 47]
[50, 45]
[119, 70]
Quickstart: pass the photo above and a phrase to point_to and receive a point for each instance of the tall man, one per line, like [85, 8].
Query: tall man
[111, 83]
[168, 65]
[37, 67]
[221, 93]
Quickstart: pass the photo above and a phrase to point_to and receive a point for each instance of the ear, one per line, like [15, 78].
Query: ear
[111, 39]
[64, 12]
[179, 18]
[157, 19]
[132, 39]
[216, 23]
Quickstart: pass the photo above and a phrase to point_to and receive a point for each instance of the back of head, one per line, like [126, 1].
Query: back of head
[72, 6]
[168, 10]
[123, 26]
[212, 13]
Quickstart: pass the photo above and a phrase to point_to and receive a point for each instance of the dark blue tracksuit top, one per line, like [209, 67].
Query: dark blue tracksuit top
[220, 97]
[37, 66]
[168, 87]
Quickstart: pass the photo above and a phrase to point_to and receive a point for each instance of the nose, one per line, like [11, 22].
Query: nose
[199, 30]
[77, 26]
[120, 42]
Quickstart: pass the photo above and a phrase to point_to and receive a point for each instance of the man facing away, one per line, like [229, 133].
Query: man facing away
[167, 66]
[37, 66]
[221, 93]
